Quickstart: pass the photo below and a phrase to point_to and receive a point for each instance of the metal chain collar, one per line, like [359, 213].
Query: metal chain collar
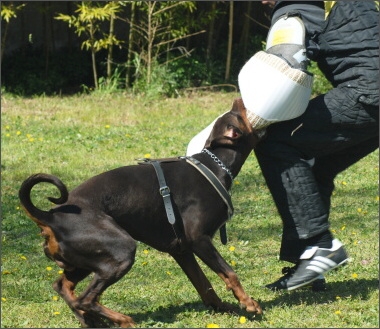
[220, 163]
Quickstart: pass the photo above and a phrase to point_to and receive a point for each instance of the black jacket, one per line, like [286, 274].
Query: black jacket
[349, 45]
[345, 45]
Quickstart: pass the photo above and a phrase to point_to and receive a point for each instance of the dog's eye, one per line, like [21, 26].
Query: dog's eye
[233, 132]
[236, 130]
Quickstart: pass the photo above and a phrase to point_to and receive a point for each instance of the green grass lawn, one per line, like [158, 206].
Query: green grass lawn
[80, 136]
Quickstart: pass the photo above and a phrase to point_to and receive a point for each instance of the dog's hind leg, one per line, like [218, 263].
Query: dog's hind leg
[65, 286]
[190, 266]
[206, 251]
[89, 302]
[117, 254]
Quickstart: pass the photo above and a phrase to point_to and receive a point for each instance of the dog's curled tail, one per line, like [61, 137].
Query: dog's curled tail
[24, 194]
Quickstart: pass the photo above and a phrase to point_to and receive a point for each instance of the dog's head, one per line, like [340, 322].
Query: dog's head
[233, 129]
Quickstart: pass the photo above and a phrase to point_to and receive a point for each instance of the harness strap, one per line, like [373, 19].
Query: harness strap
[164, 191]
[206, 172]
[214, 181]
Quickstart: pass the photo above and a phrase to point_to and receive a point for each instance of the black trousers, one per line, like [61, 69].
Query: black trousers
[300, 158]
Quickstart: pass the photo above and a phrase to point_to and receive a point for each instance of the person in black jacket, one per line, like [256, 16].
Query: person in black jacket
[306, 143]
[300, 158]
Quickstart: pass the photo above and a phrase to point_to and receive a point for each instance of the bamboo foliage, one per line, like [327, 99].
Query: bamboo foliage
[8, 11]
[87, 20]
[157, 31]
[142, 40]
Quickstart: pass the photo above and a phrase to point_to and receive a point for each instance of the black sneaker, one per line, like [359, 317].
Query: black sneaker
[315, 262]
[318, 285]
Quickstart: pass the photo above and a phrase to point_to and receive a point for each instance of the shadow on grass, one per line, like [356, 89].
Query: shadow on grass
[168, 315]
[345, 289]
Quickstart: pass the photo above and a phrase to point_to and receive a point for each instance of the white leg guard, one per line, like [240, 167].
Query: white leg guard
[198, 142]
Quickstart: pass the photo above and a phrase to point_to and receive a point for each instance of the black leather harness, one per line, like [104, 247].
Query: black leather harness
[164, 190]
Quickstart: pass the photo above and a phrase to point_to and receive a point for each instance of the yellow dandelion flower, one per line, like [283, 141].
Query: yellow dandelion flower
[354, 276]
[56, 313]
[146, 251]
[338, 312]
[28, 135]
[7, 127]
[6, 272]
[232, 248]
[3, 299]
[212, 325]
[242, 319]
[144, 263]
[377, 198]
[107, 126]
[23, 257]
[60, 272]
[147, 155]
[236, 182]
[18, 132]
[49, 268]
[343, 228]
[233, 263]
[55, 298]
[344, 183]
[7, 135]
[359, 209]
[337, 297]
[31, 139]
[168, 273]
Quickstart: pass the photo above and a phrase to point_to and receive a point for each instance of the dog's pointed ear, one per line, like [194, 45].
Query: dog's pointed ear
[238, 107]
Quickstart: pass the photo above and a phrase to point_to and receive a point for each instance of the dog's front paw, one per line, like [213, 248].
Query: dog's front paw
[250, 305]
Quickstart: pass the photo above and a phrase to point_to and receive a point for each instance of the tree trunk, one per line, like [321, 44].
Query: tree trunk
[93, 57]
[110, 49]
[128, 75]
[210, 39]
[150, 32]
[230, 35]
[94, 68]
[246, 31]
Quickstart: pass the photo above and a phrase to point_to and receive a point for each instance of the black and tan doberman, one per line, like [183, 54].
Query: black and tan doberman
[94, 228]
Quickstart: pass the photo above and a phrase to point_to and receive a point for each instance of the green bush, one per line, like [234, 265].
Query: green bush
[33, 72]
